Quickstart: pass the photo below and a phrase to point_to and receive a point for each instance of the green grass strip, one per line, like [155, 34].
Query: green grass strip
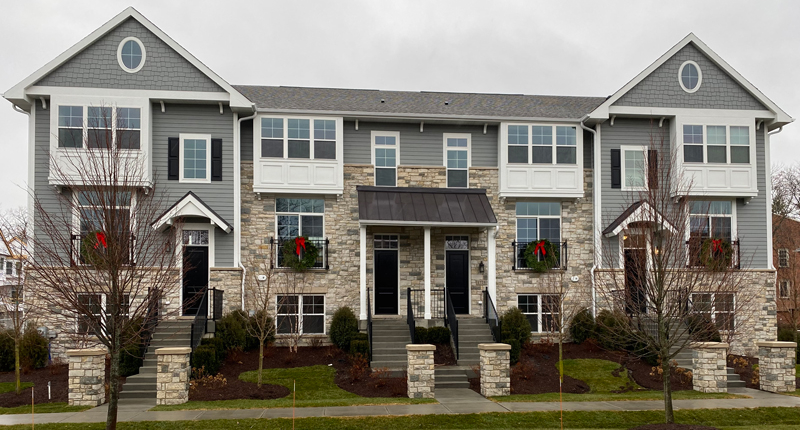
[598, 374]
[7, 387]
[44, 408]
[611, 397]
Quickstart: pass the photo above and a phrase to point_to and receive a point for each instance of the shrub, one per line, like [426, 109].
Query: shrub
[252, 341]
[515, 325]
[32, 349]
[786, 334]
[205, 357]
[515, 349]
[232, 328]
[610, 328]
[344, 326]
[702, 329]
[218, 344]
[359, 347]
[420, 335]
[130, 359]
[582, 326]
[6, 352]
[439, 335]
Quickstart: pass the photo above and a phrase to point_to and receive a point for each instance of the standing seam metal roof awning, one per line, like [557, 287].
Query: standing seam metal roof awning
[424, 207]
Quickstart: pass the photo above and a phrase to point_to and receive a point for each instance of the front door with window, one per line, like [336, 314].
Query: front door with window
[386, 272]
[635, 254]
[457, 272]
[195, 270]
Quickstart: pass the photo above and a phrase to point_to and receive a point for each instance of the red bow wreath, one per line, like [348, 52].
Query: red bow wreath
[540, 247]
[101, 238]
[301, 243]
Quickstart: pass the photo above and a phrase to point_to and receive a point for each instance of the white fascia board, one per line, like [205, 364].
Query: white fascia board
[672, 112]
[18, 92]
[353, 115]
[640, 214]
[602, 111]
[160, 95]
[190, 206]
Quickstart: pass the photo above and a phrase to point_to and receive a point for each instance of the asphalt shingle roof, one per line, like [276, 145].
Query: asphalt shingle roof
[419, 103]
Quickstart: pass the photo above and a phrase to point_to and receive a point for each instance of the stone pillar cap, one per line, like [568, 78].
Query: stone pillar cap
[85, 352]
[709, 345]
[181, 350]
[420, 347]
[494, 346]
[774, 344]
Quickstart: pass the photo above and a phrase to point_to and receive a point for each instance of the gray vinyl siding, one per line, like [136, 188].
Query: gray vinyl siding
[419, 149]
[752, 217]
[97, 66]
[218, 195]
[588, 149]
[662, 89]
[625, 132]
[246, 139]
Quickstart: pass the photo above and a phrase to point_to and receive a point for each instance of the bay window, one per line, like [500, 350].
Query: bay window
[715, 143]
[102, 126]
[534, 144]
[292, 138]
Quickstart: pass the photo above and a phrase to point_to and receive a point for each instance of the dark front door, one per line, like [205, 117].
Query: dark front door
[457, 280]
[385, 282]
[635, 294]
[195, 277]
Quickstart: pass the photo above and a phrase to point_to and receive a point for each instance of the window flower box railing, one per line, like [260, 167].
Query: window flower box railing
[520, 262]
[714, 254]
[87, 247]
[321, 245]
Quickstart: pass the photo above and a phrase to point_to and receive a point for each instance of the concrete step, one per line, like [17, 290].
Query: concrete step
[391, 338]
[737, 384]
[447, 371]
[390, 332]
[137, 394]
[389, 364]
[451, 378]
[141, 379]
[147, 370]
[454, 384]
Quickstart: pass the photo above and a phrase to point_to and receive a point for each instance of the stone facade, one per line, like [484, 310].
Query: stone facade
[495, 369]
[709, 367]
[776, 366]
[421, 377]
[229, 280]
[87, 377]
[172, 376]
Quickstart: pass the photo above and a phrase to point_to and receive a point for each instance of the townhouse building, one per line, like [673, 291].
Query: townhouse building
[410, 198]
[786, 243]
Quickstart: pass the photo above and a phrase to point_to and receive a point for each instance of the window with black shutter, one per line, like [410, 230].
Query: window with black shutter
[616, 174]
[216, 159]
[173, 162]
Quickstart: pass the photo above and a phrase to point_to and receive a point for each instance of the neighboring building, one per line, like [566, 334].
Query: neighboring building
[426, 191]
[12, 277]
[786, 259]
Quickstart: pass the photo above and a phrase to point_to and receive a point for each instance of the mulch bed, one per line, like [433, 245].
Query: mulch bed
[57, 375]
[537, 371]
[351, 374]
[444, 355]
[743, 365]
[673, 427]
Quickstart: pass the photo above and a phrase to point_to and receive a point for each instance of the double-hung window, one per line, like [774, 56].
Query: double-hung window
[99, 134]
[535, 144]
[518, 144]
[299, 138]
[300, 314]
[195, 158]
[566, 145]
[129, 128]
[536, 221]
[711, 219]
[10, 268]
[457, 159]
[70, 126]
[720, 144]
[103, 126]
[385, 147]
[783, 289]
[90, 313]
[292, 138]
[106, 214]
[783, 258]
[301, 217]
[634, 167]
[718, 307]
[542, 311]
[325, 139]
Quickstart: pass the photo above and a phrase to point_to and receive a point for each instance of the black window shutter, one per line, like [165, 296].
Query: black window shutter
[173, 163]
[216, 159]
[652, 169]
[616, 172]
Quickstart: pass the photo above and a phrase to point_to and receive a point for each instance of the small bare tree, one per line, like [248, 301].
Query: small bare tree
[12, 292]
[97, 262]
[289, 289]
[259, 295]
[669, 291]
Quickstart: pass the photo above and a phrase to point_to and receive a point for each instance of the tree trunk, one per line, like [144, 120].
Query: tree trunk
[113, 384]
[260, 360]
[16, 363]
[666, 368]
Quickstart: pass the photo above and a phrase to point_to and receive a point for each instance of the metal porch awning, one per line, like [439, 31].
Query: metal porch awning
[432, 207]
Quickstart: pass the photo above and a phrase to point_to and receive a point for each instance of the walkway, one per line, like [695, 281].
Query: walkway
[451, 401]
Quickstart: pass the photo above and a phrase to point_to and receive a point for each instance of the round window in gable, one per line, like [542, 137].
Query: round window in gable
[690, 76]
[131, 54]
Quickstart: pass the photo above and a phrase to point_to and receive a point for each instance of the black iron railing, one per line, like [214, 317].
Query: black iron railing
[519, 255]
[322, 246]
[451, 321]
[151, 318]
[216, 303]
[437, 302]
[87, 248]
[712, 253]
[412, 325]
[200, 320]
[491, 316]
[369, 324]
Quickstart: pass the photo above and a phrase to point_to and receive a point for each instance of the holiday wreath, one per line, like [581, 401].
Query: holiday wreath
[716, 254]
[548, 252]
[93, 248]
[299, 253]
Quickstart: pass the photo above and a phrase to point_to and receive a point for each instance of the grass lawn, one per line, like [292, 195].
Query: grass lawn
[733, 419]
[315, 387]
[598, 375]
[6, 387]
[44, 408]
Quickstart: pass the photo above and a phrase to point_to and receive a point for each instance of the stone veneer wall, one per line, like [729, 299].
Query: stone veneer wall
[172, 375]
[776, 366]
[87, 377]
[421, 376]
[495, 369]
[229, 280]
[709, 367]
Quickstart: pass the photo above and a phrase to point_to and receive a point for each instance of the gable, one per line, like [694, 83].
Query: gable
[662, 89]
[96, 66]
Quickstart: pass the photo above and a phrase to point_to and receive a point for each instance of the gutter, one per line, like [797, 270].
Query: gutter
[415, 116]
[596, 207]
[237, 192]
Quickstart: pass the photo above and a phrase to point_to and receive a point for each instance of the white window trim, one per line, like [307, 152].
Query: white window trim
[623, 182]
[179, 253]
[783, 252]
[732, 216]
[300, 314]
[713, 309]
[103, 313]
[119, 55]
[396, 135]
[76, 211]
[299, 224]
[339, 140]
[554, 162]
[469, 263]
[540, 312]
[699, 76]
[538, 217]
[86, 103]
[781, 283]
[207, 138]
[467, 136]
[718, 122]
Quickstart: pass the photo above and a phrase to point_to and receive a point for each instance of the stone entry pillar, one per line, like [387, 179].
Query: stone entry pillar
[172, 375]
[87, 377]
[776, 371]
[495, 369]
[709, 367]
[421, 379]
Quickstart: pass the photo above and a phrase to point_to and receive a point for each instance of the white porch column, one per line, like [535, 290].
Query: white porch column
[427, 257]
[362, 277]
[491, 282]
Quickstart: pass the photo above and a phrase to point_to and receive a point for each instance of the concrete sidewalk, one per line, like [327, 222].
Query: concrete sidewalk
[451, 401]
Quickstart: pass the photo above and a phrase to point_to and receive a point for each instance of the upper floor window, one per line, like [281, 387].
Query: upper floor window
[457, 158]
[385, 146]
[783, 289]
[293, 138]
[690, 76]
[711, 219]
[300, 217]
[9, 268]
[195, 158]
[103, 126]
[634, 167]
[722, 144]
[783, 258]
[131, 54]
[534, 144]
[70, 126]
[536, 221]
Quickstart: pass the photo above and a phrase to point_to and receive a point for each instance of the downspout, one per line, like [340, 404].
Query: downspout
[238, 193]
[596, 208]
[768, 165]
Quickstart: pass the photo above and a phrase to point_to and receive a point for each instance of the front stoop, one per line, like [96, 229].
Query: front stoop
[471, 332]
[389, 340]
[452, 377]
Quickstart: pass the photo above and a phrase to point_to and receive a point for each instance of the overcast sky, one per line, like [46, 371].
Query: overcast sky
[586, 48]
